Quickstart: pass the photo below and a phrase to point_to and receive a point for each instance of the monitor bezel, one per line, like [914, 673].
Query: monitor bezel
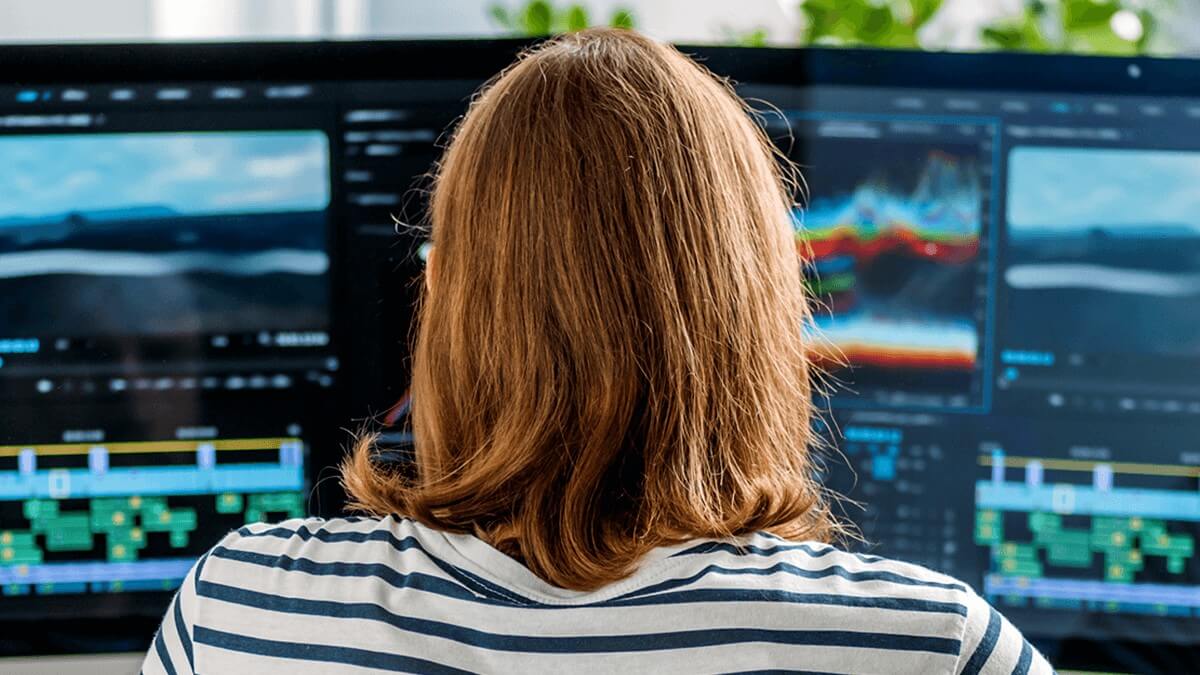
[481, 59]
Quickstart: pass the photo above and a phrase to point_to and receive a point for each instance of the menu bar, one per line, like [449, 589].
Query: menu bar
[981, 103]
[163, 94]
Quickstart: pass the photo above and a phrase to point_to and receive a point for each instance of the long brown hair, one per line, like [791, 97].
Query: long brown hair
[613, 355]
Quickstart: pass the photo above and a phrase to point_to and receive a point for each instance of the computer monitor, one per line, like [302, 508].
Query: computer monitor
[218, 238]
[1006, 255]
[196, 250]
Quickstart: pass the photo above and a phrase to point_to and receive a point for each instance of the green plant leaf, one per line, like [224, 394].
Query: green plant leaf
[538, 18]
[1078, 14]
[877, 25]
[833, 21]
[1042, 26]
[577, 18]
[1149, 27]
[1098, 40]
[1022, 34]
[901, 36]
[622, 18]
[817, 20]
[755, 38]
[923, 11]
[1001, 36]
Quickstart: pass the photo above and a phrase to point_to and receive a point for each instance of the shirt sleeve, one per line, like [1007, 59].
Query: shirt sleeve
[991, 645]
[171, 651]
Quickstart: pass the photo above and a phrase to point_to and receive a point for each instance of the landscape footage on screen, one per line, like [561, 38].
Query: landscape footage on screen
[1114, 234]
[163, 234]
[891, 232]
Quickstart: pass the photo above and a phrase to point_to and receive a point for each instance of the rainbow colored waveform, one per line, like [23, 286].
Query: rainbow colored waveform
[939, 220]
[936, 222]
[866, 242]
[865, 339]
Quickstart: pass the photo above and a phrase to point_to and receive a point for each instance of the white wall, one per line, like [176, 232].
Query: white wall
[59, 20]
[217, 19]
[697, 21]
[412, 18]
[1185, 29]
[678, 20]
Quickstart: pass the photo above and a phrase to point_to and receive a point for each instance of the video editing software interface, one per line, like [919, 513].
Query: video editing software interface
[202, 284]
[175, 311]
[1008, 287]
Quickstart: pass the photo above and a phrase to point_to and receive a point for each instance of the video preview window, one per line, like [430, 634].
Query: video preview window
[163, 234]
[1114, 234]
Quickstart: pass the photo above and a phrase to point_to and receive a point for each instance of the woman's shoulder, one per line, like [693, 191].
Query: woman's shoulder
[805, 573]
[900, 600]
[317, 546]
[314, 528]
[818, 561]
[813, 566]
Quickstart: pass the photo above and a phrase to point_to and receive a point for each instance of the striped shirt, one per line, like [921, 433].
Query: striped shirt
[391, 595]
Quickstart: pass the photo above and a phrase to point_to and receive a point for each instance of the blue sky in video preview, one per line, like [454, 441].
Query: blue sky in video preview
[190, 172]
[1073, 189]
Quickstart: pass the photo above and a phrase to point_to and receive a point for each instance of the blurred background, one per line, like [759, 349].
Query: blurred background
[1121, 27]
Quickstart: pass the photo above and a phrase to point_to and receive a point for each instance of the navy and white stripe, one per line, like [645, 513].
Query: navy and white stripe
[390, 595]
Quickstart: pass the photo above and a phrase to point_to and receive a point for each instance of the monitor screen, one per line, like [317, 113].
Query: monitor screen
[193, 316]
[165, 333]
[207, 276]
[1007, 284]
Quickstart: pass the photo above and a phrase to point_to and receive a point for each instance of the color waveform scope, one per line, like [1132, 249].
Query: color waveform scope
[885, 260]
